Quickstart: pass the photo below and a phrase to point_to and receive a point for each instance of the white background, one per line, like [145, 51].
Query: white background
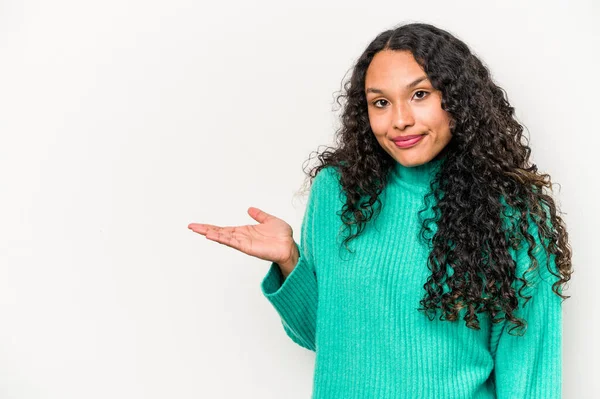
[123, 121]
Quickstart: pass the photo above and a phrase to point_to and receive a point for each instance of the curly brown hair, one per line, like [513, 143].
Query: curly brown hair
[470, 208]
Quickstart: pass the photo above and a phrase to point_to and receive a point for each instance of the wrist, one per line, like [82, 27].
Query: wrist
[289, 264]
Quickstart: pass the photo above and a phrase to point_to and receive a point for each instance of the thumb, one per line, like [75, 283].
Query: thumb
[258, 215]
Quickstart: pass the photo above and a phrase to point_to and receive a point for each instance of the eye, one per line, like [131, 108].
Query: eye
[423, 96]
[377, 101]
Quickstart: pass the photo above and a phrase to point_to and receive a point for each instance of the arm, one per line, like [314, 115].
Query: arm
[530, 366]
[295, 298]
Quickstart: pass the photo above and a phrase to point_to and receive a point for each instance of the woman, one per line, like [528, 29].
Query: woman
[454, 286]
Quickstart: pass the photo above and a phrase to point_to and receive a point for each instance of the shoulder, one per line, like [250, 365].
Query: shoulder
[326, 187]
[326, 179]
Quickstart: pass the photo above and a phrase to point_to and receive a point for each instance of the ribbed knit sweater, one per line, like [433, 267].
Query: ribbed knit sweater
[358, 311]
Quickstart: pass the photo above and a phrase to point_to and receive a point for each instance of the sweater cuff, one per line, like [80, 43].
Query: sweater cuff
[294, 298]
[276, 289]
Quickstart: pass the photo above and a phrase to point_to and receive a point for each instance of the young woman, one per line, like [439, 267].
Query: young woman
[449, 283]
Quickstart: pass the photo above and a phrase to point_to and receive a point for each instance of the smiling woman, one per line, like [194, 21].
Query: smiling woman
[454, 286]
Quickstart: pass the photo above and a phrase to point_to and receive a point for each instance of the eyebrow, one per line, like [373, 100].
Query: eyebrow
[408, 86]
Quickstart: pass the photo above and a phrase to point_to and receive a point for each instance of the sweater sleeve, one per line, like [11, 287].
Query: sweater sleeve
[296, 298]
[530, 366]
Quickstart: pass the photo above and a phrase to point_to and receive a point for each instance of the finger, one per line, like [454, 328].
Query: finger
[259, 215]
[202, 228]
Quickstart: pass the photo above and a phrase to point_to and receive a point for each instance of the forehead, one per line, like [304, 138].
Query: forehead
[393, 68]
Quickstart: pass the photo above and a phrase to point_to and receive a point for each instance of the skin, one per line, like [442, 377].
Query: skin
[271, 240]
[397, 109]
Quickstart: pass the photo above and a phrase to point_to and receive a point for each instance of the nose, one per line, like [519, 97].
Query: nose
[403, 116]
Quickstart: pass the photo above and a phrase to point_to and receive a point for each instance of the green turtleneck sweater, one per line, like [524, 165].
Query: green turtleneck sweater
[358, 311]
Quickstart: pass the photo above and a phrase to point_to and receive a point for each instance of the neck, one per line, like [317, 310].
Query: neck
[420, 175]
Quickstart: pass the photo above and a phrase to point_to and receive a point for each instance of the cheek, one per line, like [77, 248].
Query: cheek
[441, 121]
[434, 116]
[378, 124]
[447, 121]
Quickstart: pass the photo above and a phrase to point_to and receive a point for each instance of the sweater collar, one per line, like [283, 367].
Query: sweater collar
[420, 175]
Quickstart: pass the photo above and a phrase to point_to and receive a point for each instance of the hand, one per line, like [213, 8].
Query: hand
[270, 240]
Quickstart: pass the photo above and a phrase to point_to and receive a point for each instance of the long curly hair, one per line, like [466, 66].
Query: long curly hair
[486, 170]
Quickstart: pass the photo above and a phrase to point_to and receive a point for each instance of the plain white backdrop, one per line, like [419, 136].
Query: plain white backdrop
[123, 121]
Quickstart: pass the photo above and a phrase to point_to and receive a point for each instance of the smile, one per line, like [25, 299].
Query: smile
[408, 143]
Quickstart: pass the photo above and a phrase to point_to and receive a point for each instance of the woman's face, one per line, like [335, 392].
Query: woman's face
[402, 102]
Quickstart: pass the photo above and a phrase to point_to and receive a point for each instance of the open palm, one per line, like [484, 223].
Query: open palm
[270, 240]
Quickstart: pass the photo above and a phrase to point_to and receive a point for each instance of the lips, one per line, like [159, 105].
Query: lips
[409, 143]
[404, 138]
